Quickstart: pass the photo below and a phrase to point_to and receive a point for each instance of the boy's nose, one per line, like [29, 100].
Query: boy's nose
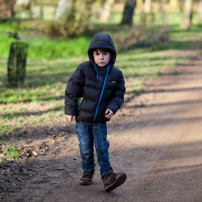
[101, 56]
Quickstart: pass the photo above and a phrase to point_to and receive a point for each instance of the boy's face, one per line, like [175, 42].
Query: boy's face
[101, 58]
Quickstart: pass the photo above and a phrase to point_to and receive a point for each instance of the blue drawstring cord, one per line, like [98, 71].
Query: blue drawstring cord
[101, 92]
[96, 70]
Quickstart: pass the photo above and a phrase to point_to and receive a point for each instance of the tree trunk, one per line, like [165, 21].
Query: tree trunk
[140, 4]
[12, 8]
[107, 10]
[63, 9]
[128, 12]
[147, 6]
[200, 11]
[188, 11]
[162, 14]
[174, 3]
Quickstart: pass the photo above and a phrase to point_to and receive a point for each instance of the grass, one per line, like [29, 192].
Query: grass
[41, 47]
[39, 103]
[12, 152]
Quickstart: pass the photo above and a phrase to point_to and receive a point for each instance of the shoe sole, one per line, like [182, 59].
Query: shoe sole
[85, 182]
[120, 179]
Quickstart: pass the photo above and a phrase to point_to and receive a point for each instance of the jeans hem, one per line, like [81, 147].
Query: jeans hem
[105, 172]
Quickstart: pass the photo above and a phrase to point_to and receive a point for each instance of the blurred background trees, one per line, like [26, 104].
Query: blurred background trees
[7, 8]
[107, 10]
[69, 18]
[188, 13]
[200, 11]
[128, 12]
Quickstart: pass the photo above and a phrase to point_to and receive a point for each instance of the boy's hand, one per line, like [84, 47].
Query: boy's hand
[109, 113]
[71, 118]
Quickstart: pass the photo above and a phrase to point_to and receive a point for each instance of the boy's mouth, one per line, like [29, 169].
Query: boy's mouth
[101, 63]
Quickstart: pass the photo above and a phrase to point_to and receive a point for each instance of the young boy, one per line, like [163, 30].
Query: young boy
[101, 86]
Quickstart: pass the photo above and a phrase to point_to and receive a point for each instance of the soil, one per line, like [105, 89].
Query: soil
[155, 139]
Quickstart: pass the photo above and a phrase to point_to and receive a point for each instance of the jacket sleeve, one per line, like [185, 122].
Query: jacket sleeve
[117, 98]
[74, 91]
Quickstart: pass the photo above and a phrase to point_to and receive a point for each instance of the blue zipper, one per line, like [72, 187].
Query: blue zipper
[101, 93]
[96, 70]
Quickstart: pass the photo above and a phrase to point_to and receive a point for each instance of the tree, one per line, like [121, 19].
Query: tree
[107, 10]
[188, 12]
[128, 12]
[147, 6]
[174, 3]
[72, 22]
[200, 11]
[7, 8]
[63, 9]
[25, 6]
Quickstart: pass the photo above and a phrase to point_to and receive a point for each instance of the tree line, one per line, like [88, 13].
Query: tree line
[78, 12]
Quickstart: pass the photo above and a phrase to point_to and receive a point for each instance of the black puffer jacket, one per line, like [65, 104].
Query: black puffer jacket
[100, 87]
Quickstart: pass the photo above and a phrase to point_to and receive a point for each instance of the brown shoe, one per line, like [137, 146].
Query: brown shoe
[112, 180]
[87, 178]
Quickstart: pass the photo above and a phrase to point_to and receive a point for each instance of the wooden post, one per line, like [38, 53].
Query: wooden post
[15, 66]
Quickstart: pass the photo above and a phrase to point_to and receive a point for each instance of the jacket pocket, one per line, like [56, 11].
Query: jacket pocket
[111, 84]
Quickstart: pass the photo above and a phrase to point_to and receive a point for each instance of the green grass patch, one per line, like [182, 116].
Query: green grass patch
[41, 47]
[12, 152]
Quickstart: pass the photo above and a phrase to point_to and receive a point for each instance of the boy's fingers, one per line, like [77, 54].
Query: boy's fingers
[71, 118]
[109, 113]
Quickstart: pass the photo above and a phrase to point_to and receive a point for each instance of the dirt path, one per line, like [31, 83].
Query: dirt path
[156, 139]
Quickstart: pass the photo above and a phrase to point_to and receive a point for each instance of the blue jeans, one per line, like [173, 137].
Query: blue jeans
[88, 135]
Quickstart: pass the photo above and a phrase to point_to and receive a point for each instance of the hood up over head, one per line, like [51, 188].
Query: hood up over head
[102, 40]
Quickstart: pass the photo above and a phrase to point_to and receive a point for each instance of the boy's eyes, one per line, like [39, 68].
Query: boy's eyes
[104, 53]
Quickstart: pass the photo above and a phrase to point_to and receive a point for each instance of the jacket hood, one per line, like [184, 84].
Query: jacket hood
[102, 40]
